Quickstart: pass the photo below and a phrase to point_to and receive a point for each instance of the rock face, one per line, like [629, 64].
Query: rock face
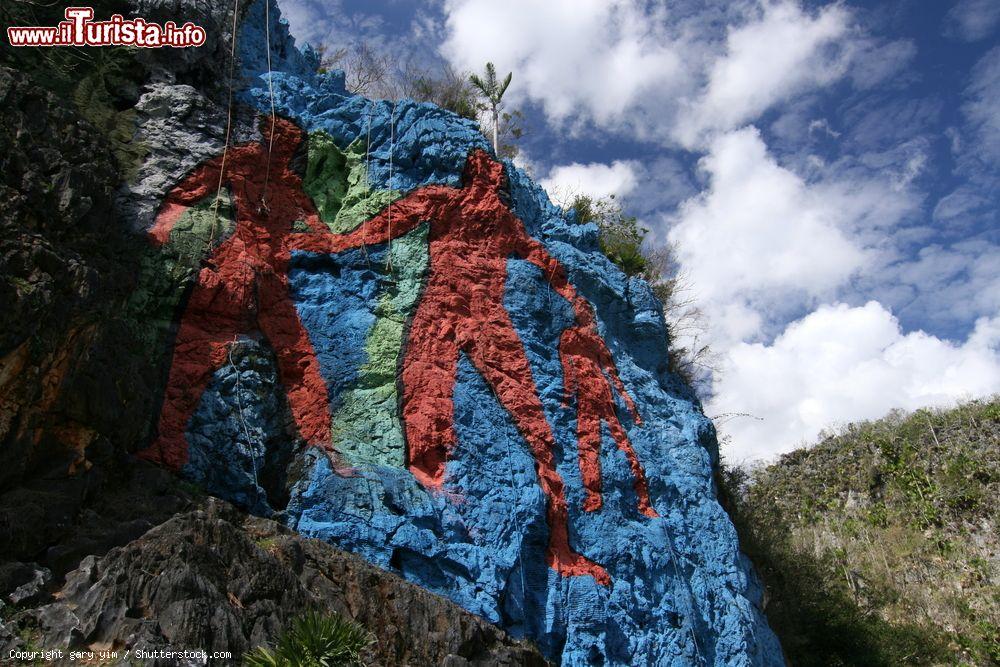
[213, 579]
[58, 253]
[381, 337]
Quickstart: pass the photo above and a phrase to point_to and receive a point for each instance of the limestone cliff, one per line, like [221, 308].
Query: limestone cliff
[352, 319]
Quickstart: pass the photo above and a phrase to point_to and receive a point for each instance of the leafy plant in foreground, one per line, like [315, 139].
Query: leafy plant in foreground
[314, 640]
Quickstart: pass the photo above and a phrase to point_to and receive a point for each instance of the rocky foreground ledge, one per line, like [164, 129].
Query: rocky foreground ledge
[216, 579]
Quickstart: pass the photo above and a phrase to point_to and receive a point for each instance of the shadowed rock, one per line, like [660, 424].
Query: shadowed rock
[217, 580]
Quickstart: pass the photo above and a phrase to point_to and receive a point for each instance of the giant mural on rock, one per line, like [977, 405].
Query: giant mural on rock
[375, 331]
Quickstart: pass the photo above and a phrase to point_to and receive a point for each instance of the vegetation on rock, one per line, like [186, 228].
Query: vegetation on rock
[314, 640]
[621, 234]
[492, 91]
[622, 240]
[879, 545]
[383, 75]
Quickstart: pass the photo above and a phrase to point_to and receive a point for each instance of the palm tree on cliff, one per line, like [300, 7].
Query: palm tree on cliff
[492, 90]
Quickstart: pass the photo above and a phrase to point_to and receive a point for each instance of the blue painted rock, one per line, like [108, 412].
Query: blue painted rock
[503, 426]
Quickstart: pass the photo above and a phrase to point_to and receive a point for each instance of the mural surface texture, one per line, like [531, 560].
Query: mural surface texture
[379, 334]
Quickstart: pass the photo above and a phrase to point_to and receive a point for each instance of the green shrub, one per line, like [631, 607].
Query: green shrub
[621, 235]
[314, 640]
[875, 544]
[622, 241]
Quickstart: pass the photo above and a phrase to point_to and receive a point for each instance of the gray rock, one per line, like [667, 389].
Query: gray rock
[58, 625]
[179, 127]
[24, 583]
[218, 580]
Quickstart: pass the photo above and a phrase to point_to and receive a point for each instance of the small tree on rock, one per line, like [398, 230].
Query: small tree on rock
[492, 90]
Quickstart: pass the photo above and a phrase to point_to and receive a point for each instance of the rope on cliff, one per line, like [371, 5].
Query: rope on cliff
[392, 149]
[548, 292]
[687, 584]
[270, 88]
[368, 184]
[517, 522]
[229, 122]
[243, 421]
[513, 487]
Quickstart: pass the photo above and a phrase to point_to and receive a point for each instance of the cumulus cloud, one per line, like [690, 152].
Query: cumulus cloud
[972, 20]
[761, 224]
[759, 227]
[841, 364]
[764, 246]
[782, 52]
[762, 237]
[982, 110]
[674, 74]
[594, 179]
[575, 57]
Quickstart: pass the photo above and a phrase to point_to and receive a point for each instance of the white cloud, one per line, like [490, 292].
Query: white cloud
[982, 110]
[841, 364]
[326, 22]
[305, 20]
[591, 56]
[972, 20]
[956, 283]
[874, 62]
[959, 204]
[763, 246]
[762, 238]
[822, 125]
[759, 227]
[670, 73]
[674, 73]
[769, 59]
[594, 179]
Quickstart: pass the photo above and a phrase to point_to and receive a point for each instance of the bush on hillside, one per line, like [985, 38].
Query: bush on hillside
[878, 545]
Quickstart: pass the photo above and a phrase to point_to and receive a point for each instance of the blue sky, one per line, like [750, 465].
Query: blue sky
[829, 174]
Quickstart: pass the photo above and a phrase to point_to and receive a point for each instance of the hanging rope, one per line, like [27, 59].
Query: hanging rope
[513, 486]
[548, 292]
[687, 585]
[229, 123]
[243, 422]
[368, 185]
[517, 521]
[392, 148]
[270, 88]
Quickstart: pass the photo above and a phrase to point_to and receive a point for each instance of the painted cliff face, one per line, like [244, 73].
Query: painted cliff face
[242, 287]
[471, 233]
[402, 348]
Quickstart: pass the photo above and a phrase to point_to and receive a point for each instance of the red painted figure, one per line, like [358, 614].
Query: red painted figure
[472, 233]
[585, 361]
[244, 283]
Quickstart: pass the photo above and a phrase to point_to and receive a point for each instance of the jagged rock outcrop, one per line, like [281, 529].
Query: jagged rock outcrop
[216, 580]
[57, 250]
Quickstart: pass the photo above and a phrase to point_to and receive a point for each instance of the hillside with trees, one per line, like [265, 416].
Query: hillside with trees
[880, 544]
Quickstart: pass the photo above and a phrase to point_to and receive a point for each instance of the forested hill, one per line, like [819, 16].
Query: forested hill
[880, 544]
